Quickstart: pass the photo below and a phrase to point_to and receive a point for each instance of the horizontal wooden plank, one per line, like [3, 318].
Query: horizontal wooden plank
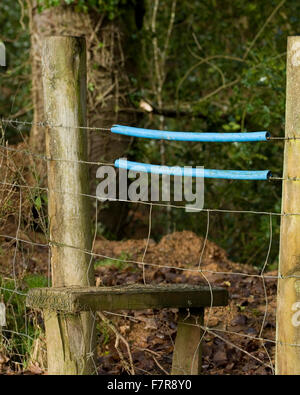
[127, 297]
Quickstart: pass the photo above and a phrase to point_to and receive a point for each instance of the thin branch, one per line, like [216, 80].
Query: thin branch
[155, 45]
[119, 337]
[243, 59]
[169, 32]
[263, 28]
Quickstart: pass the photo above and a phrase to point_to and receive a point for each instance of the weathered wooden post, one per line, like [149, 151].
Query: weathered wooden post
[70, 338]
[288, 299]
[187, 356]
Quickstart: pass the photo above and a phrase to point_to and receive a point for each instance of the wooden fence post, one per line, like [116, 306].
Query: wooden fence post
[187, 355]
[70, 338]
[288, 298]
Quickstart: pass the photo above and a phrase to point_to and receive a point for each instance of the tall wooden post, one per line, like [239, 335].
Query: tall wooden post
[70, 338]
[288, 299]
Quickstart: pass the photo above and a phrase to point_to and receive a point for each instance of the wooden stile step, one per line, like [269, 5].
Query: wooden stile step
[187, 354]
[127, 297]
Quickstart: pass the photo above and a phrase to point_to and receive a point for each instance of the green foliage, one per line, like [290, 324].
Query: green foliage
[36, 281]
[104, 331]
[38, 203]
[112, 8]
[19, 333]
[227, 66]
[119, 263]
[15, 95]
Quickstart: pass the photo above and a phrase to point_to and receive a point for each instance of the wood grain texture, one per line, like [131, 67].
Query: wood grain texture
[70, 339]
[128, 297]
[64, 80]
[187, 355]
[288, 328]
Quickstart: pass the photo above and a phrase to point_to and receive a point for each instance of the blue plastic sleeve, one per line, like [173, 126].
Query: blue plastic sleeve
[190, 136]
[193, 172]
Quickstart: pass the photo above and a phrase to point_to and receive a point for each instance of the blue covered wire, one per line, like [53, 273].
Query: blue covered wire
[190, 136]
[192, 172]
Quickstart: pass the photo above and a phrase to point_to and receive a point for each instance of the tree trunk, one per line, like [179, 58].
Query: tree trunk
[108, 83]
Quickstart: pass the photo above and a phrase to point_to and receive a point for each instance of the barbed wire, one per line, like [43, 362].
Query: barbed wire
[47, 159]
[106, 129]
[99, 163]
[279, 138]
[195, 209]
[50, 125]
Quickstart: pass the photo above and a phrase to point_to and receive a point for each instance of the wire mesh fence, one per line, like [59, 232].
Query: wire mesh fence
[136, 342]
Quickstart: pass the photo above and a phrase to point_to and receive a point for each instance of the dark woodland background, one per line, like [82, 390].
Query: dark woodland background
[198, 66]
